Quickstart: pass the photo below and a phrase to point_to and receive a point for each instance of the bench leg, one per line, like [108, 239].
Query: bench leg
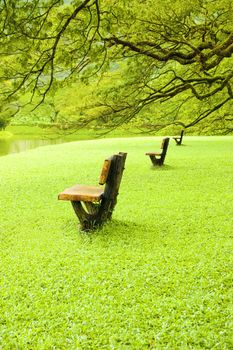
[95, 215]
[83, 216]
[91, 207]
[178, 141]
[89, 219]
[156, 161]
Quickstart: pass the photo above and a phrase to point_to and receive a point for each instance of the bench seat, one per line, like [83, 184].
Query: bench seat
[153, 153]
[82, 193]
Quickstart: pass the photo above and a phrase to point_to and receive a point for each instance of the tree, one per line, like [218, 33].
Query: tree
[168, 56]
[6, 113]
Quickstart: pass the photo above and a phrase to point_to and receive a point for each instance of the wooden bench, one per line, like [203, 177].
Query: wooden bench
[94, 205]
[178, 139]
[157, 158]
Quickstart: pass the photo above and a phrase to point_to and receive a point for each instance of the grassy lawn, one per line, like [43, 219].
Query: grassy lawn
[159, 276]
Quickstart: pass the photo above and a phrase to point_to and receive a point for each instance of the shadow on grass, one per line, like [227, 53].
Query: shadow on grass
[114, 229]
[117, 232]
[164, 167]
[180, 145]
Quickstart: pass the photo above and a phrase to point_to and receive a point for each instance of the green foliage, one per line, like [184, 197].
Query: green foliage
[159, 276]
[3, 122]
[6, 113]
[170, 57]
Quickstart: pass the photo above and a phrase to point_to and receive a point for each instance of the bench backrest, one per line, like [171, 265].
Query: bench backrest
[164, 147]
[164, 144]
[105, 171]
[114, 175]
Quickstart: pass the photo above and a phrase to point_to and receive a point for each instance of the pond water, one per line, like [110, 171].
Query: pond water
[8, 146]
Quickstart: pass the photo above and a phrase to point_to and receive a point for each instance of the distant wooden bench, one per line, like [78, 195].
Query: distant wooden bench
[157, 158]
[179, 139]
[94, 205]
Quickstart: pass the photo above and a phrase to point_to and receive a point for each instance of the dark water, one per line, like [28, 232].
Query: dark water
[15, 146]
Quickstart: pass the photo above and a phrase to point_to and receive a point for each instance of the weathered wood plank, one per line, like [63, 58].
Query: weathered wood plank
[153, 153]
[82, 193]
[104, 172]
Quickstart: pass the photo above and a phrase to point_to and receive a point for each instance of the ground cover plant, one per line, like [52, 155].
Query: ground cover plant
[157, 277]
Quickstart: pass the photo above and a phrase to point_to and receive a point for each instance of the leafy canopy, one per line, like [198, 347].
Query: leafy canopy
[173, 58]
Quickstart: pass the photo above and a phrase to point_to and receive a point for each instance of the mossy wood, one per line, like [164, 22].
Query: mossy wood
[94, 205]
[157, 158]
[179, 139]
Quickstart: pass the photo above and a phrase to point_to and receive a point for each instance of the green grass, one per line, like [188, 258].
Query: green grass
[159, 276]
